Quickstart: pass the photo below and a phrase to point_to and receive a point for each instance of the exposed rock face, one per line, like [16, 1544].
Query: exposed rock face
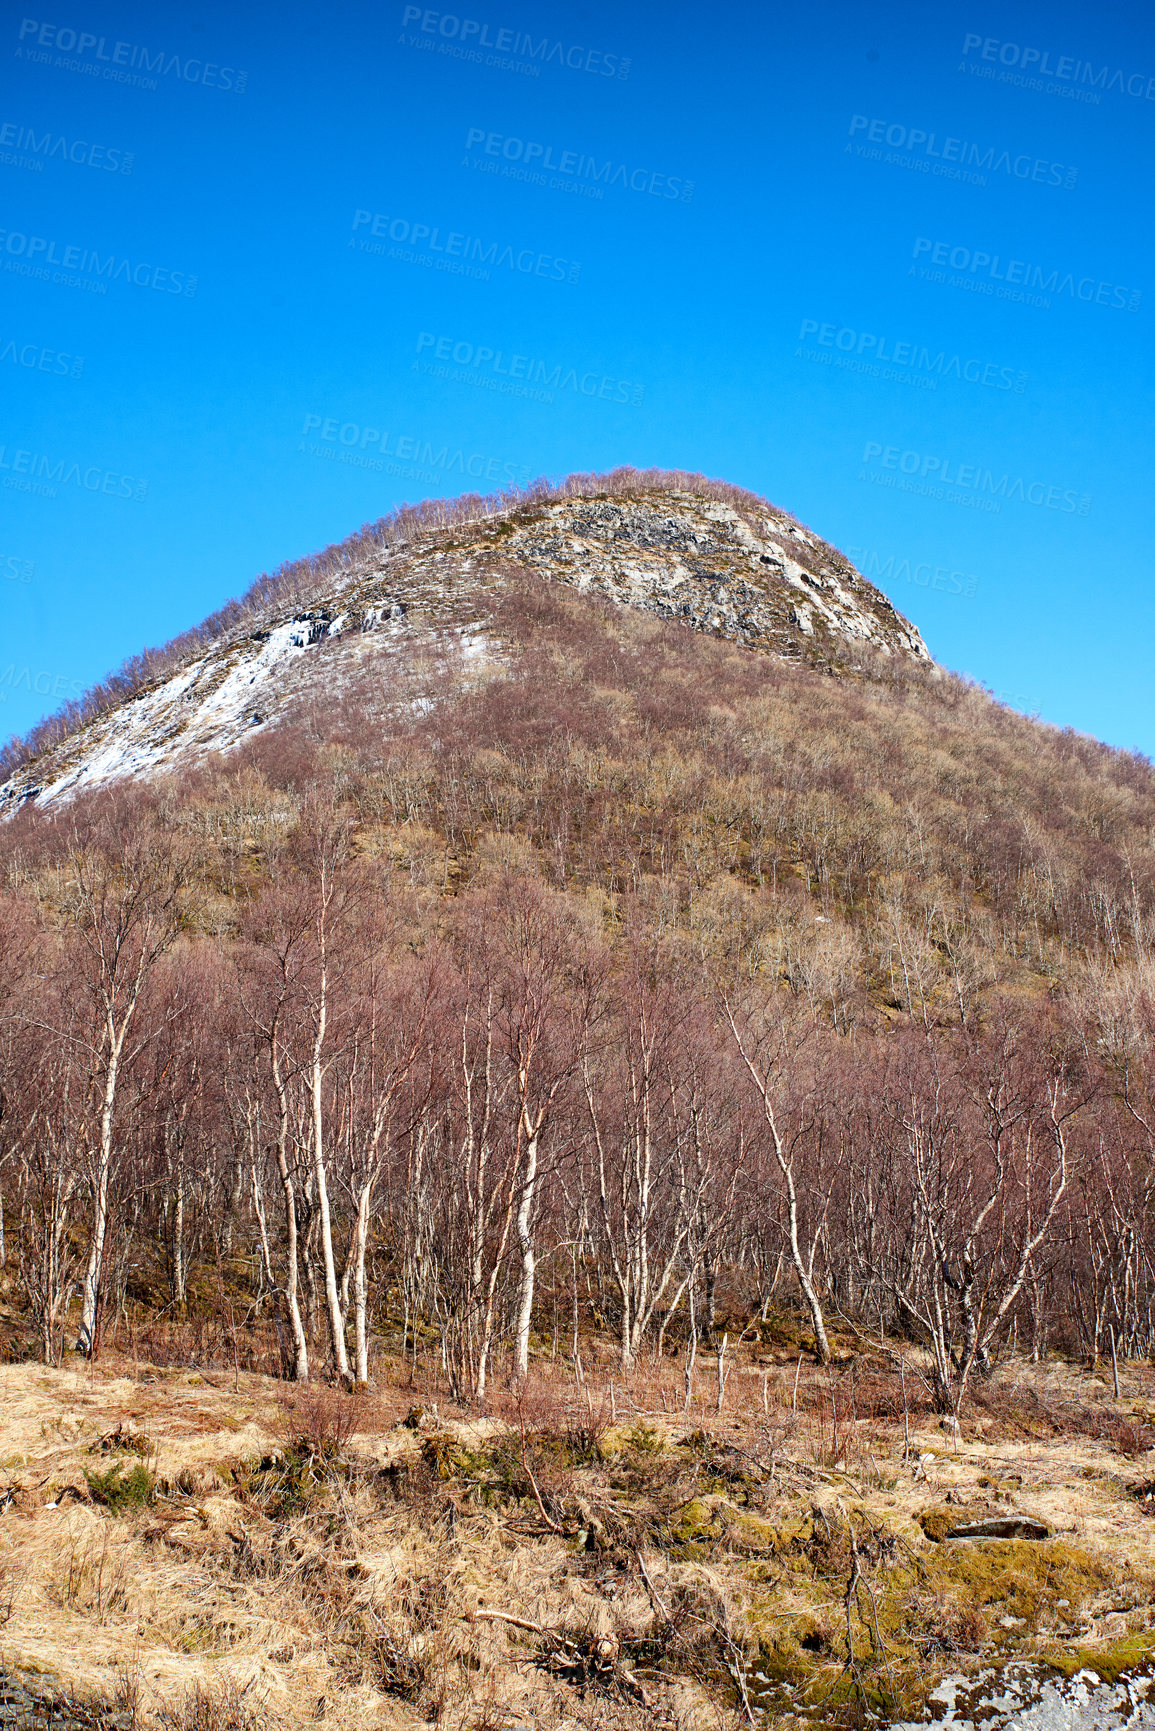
[769, 585]
[753, 577]
[1024, 1697]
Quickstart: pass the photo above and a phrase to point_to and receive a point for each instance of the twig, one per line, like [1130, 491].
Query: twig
[655, 1598]
[733, 1661]
[548, 1519]
[905, 1412]
[691, 1355]
[517, 1622]
[858, 1580]
[1114, 1362]
[722, 1370]
[572, 1649]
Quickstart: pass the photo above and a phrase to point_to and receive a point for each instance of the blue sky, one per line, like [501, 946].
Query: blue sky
[270, 271]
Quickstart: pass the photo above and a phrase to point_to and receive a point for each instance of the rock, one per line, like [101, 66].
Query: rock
[1001, 1527]
[941, 1523]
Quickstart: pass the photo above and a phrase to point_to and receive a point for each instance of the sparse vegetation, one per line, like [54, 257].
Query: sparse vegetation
[682, 1564]
[559, 1187]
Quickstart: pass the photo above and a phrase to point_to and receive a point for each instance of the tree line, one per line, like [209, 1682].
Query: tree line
[521, 1114]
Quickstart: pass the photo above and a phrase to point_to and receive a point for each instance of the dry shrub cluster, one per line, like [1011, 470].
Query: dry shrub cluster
[226, 1707]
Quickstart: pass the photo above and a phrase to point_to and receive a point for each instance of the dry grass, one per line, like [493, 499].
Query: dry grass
[591, 1553]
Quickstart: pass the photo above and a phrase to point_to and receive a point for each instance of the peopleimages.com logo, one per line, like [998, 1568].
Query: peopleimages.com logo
[468, 35]
[376, 448]
[32, 472]
[31, 254]
[37, 359]
[921, 572]
[968, 483]
[462, 254]
[991, 276]
[528, 153]
[42, 683]
[521, 375]
[123, 63]
[935, 154]
[14, 569]
[54, 147]
[919, 358]
[1037, 63]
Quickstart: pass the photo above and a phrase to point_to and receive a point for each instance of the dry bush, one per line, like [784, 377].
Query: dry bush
[91, 1575]
[1021, 1408]
[226, 1706]
[951, 1627]
[198, 1342]
[565, 1420]
[13, 1571]
[317, 1420]
[400, 1648]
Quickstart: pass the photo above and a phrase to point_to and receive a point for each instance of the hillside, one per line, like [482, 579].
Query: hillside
[635, 1090]
[729, 565]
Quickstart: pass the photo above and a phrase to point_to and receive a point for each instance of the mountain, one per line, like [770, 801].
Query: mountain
[573, 958]
[704, 554]
[640, 685]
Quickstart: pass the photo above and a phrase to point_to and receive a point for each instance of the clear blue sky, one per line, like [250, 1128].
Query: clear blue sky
[889, 264]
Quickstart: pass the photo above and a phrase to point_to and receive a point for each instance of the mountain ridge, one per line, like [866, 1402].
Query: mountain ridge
[703, 553]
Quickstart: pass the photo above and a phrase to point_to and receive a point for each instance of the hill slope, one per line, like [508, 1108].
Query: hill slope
[567, 934]
[732, 566]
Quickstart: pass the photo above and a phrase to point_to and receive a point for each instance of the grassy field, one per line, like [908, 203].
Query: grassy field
[218, 1555]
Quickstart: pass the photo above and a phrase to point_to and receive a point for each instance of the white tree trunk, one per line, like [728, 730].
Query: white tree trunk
[525, 1245]
[332, 1294]
[94, 1266]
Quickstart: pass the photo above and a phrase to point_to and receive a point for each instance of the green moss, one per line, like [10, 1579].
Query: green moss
[696, 1526]
[642, 1439]
[936, 1523]
[1110, 1662]
[1019, 1577]
[936, 1607]
[756, 1532]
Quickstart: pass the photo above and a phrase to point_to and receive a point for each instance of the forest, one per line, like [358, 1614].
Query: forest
[603, 1006]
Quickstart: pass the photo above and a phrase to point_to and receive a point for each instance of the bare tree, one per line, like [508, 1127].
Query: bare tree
[650, 1177]
[767, 1042]
[983, 1164]
[120, 904]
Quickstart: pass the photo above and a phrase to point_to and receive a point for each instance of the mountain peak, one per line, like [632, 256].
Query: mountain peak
[705, 554]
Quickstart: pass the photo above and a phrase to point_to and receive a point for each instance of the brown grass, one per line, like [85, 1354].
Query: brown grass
[588, 1554]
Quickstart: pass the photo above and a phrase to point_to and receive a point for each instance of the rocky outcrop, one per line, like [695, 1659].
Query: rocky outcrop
[751, 576]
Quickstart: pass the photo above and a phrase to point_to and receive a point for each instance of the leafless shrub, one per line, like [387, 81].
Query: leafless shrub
[224, 1707]
[318, 1420]
[13, 1572]
[91, 1575]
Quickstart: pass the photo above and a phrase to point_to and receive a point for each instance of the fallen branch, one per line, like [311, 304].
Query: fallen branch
[594, 1654]
[517, 1622]
[733, 1662]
